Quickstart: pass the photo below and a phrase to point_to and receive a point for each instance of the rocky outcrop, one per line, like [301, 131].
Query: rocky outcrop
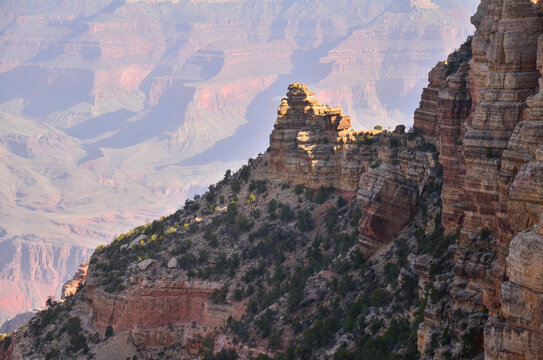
[159, 313]
[70, 287]
[425, 117]
[313, 145]
[389, 200]
[516, 332]
[492, 180]
[153, 305]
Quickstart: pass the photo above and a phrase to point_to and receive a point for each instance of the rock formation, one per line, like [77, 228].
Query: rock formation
[70, 287]
[313, 144]
[463, 230]
[491, 174]
[102, 100]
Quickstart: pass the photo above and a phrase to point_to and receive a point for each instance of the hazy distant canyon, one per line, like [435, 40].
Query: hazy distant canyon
[113, 112]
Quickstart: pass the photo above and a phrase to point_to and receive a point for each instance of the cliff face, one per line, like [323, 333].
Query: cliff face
[23, 280]
[260, 256]
[387, 246]
[70, 287]
[491, 174]
[108, 105]
[313, 144]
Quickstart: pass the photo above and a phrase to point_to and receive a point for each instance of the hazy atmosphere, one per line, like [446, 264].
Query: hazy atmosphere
[113, 112]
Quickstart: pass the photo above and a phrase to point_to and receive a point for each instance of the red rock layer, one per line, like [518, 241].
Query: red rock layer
[492, 176]
[389, 200]
[149, 306]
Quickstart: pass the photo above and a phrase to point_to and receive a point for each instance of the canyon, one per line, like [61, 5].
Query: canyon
[112, 113]
[342, 243]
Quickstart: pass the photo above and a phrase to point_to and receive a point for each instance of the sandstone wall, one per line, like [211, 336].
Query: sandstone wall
[313, 145]
[149, 305]
[492, 174]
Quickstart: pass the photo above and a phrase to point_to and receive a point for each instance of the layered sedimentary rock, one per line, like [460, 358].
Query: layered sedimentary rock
[492, 175]
[426, 114]
[313, 144]
[119, 93]
[389, 200]
[516, 332]
[70, 287]
[150, 305]
[158, 313]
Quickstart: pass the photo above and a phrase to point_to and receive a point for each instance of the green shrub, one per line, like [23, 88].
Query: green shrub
[227, 176]
[321, 195]
[412, 133]
[378, 298]
[109, 331]
[265, 322]
[259, 185]
[52, 354]
[231, 211]
[219, 295]
[321, 333]
[243, 223]
[394, 142]
[73, 326]
[78, 342]
[287, 214]
[244, 172]
[272, 206]
[211, 193]
[488, 153]
[436, 295]
[274, 342]
[470, 345]
[427, 147]
[190, 206]
[193, 227]
[299, 189]
[236, 186]
[355, 217]
[309, 194]
[331, 219]
[251, 198]
[305, 221]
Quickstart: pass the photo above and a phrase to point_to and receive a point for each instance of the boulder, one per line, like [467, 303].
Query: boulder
[143, 265]
[137, 241]
[172, 263]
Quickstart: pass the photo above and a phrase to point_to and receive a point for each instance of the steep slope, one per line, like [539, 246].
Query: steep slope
[261, 265]
[428, 242]
[112, 105]
[491, 178]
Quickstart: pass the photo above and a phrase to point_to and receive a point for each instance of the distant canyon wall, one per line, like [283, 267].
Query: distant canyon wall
[110, 105]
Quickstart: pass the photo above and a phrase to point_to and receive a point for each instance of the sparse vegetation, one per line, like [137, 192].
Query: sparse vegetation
[294, 257]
